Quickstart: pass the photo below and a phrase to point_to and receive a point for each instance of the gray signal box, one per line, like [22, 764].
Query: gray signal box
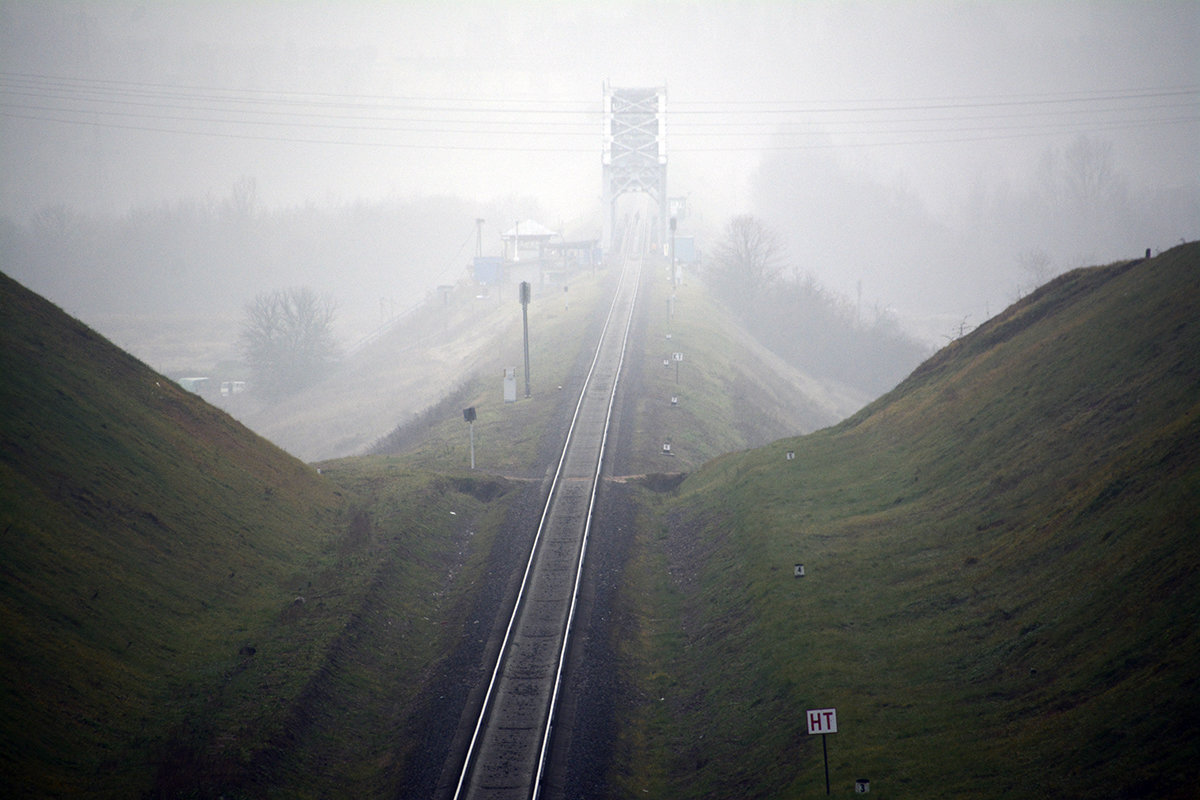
[510, 384]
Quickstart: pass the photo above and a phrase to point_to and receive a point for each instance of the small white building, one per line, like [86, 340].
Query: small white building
[526, 241]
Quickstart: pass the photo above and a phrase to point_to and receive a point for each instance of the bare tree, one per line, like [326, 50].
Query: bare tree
[1090, 177]
[748, 260]
[1080, 180]
[287, 339]
[1037, 265]
[242, 203]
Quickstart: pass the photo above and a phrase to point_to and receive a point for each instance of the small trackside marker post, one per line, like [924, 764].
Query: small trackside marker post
[824, 722]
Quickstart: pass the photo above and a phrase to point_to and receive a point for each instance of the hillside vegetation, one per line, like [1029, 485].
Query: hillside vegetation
[731, 392]
[1001, 555]
[189, 611]
[185, 607]
[410, 385]
[1001, 580]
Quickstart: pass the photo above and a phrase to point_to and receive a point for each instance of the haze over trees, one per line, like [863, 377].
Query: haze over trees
[858, 229]
[796, 317]
[287, 339]
[206, 257]
[907, 158]
[747, 261]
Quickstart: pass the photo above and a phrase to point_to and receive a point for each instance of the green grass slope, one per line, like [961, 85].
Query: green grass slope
[731, 392]
[1001, 590]
[507, 435]
[188, 611]
[145, 536]
[184, 607]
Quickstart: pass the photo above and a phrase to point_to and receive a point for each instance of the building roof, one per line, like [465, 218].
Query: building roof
[529, 229]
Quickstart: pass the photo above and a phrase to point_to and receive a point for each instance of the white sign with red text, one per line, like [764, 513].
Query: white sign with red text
[822, 720]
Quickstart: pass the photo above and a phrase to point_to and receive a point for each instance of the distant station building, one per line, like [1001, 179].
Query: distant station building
[563, 259]
[489, 270]
[526, 241]
[537, 255]
[525, 251]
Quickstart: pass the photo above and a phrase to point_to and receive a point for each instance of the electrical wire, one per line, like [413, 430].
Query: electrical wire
[543, 124]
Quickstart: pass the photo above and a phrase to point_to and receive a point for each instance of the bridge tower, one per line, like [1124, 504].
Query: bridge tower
[635, 152]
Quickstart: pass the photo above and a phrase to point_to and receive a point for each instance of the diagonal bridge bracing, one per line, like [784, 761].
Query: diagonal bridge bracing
[635, 153]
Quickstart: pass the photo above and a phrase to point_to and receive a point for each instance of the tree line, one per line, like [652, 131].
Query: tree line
[809, 326]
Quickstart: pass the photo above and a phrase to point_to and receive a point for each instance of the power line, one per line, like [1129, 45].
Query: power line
[996, 135]
[342, 99]
[302, 140]
[112, 91]
[473, 124]
[500, 124]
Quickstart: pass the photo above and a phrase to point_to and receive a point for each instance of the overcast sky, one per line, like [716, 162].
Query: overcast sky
[115, 105]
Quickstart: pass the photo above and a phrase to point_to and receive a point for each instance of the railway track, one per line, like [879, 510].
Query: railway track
[510, 745]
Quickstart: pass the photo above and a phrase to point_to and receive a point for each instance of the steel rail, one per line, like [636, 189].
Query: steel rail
[562, 656]
[487, 705]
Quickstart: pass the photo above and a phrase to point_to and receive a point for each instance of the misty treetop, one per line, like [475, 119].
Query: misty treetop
[810, 326]
[205, 256]
[287, 339]
[748, 260]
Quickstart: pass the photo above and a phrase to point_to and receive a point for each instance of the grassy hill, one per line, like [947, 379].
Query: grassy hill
[183, 606]
[732, 393]
[1001, 587]
[433, 353]
[189, 611]
[1000, 598]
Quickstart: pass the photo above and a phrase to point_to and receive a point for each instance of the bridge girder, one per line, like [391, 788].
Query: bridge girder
[635, 151]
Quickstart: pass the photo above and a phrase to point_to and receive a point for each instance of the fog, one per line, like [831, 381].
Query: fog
[931, 158]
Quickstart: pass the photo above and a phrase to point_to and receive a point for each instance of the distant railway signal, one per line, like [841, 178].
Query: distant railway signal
[469, 416]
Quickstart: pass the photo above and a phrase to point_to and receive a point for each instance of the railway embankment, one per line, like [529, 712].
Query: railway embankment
[999, 565]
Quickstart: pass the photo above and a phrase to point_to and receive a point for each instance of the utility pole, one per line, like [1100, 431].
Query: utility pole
[525, 320]
[478, 238]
